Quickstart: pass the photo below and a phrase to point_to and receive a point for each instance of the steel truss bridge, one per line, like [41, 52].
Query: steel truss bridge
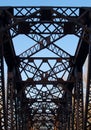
[42, 87]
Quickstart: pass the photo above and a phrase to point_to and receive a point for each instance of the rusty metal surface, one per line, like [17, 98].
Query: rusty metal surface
[44, 92]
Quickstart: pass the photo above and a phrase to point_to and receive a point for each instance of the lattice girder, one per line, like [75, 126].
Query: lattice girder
[44, 90]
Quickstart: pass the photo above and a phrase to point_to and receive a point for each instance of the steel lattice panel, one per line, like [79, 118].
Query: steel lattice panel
[44, 92]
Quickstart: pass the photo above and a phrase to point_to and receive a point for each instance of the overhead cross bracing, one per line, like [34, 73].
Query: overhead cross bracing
[42, 88]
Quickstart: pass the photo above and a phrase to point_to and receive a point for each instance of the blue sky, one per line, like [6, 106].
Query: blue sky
[45, 2]
[75, 3]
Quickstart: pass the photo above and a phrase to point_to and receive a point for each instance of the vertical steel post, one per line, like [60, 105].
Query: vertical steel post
[78, 101]
[11, 105]
[69, 111]
[87, 115]
[87, 118]
[3, 120]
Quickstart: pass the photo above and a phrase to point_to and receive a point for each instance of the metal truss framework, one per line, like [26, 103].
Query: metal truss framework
[44, 92]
